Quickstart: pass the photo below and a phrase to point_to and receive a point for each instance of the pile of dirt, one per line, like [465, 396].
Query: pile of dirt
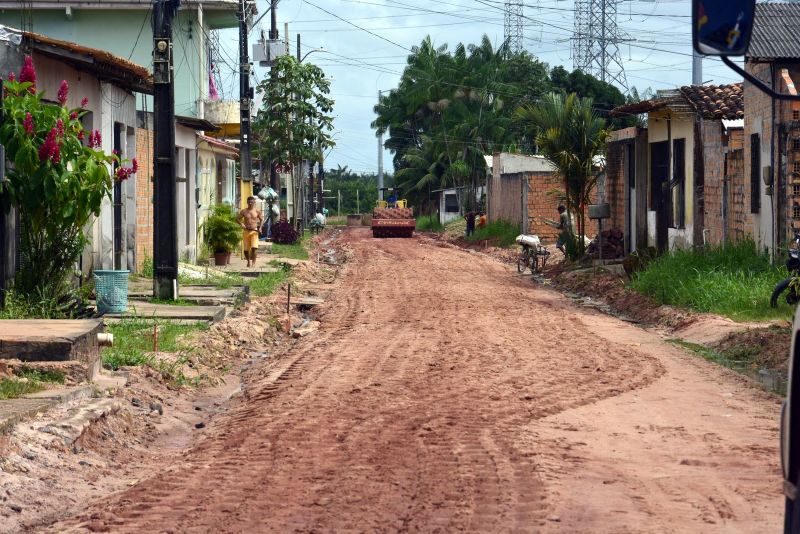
[612, 289]
[763, 348]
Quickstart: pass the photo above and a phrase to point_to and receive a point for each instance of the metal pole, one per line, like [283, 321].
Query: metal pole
[338, 202]
[274, 179]
[697, 68]
[358, 203]
[380, 159]
[165, 216]
[244, 95]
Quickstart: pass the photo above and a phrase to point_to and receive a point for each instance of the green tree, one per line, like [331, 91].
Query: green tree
[570, 133]
[294, 123]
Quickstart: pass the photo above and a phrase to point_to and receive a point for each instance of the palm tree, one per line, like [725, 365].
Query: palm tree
[570, 134]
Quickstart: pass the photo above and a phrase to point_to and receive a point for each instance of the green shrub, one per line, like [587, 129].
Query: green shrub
[499, 233]
[735, 281]
[429, 223]
[221, 230]
[267, 283]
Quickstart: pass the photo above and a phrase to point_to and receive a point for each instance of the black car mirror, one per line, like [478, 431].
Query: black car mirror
[722, 27]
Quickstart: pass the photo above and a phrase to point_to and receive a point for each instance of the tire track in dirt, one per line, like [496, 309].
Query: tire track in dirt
[405, 412]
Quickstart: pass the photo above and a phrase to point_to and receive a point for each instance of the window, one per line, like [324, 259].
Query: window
[796, 190]
[796, 114]
[450, 203]
[795, 211]
[796, 143]
[678, 185]
[796, 166]
[755, 173]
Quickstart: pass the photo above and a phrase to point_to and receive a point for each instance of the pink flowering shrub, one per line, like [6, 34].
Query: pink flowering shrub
[57, 182]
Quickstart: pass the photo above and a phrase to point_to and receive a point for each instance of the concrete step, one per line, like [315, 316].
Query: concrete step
[140, 309]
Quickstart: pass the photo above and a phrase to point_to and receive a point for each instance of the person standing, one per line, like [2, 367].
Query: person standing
[564, 224]
[470, 217]
[250, 219]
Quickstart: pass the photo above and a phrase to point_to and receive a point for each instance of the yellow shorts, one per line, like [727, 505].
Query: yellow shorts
[249, 239]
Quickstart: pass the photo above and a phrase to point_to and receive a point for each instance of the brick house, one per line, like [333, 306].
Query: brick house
[526, 190]
[772, 127]
[681, 172]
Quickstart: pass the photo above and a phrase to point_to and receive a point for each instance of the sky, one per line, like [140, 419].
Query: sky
[366, 42]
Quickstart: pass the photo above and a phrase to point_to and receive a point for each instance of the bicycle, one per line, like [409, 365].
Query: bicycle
[533, 256]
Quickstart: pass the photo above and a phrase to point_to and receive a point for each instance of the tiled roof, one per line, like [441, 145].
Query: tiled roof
[775, 32]
[716, 101]
[710, 101]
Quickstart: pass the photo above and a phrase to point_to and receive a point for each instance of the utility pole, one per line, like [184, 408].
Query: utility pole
[380, 159]
[697, 68]
[274, 179]
[244, 94]
[165, 215]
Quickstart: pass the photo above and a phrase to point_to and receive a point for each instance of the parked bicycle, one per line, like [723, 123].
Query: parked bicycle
[792, 283]
[533, 255]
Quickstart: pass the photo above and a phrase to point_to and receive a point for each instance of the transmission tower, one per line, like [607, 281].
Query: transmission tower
[596, 41]
[512, 27]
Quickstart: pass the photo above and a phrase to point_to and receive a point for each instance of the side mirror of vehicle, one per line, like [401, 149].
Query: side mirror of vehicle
[722, 27]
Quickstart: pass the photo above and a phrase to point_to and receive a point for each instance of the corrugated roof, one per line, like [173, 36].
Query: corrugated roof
[716, 101]
[776, 32]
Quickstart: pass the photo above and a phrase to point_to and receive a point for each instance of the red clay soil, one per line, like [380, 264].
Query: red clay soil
[446, 392]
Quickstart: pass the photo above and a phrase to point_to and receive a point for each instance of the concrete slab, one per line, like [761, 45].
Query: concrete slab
[52, 340]
[306, 301]
[12, 411]
[164, 311]
[80, 418]
[200, 295]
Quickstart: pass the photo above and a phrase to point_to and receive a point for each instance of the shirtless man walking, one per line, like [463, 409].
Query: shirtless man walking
[250, 219]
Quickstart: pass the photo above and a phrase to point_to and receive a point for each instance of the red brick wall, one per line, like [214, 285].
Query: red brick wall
[615, 185]
[144, 196]
[714, 175]
[544, 196]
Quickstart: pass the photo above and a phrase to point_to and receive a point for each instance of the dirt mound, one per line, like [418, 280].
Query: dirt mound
[764, 348]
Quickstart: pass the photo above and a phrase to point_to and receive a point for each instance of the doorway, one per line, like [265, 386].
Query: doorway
[659, 189]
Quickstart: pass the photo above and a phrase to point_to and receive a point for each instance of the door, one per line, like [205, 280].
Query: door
[659, 189]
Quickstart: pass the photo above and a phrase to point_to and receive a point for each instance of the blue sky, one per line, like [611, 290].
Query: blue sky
[656, 52]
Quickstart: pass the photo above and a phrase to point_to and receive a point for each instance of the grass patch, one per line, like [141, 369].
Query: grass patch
[733, 281]
[295, 252]
[498, 233]
[267, 283]
[11, 388]
[133, 341]
[429, 223]
[41, 375]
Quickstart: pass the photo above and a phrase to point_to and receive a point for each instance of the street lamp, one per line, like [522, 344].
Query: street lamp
[320, 49]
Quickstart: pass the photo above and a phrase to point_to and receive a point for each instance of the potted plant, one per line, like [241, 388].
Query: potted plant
[222, 233]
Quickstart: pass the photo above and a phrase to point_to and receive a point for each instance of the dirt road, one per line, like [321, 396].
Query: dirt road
[446, 392]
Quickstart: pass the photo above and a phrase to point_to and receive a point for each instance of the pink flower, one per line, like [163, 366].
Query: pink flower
[115, 152]
[123, 173]
[135, 166]
[11, 76]
[50, 149]
[63, 91]
[73, 116]
[28, 73]
[28, 123]
[60, 127]
[84, 102]
[81, 135]
[95, 140]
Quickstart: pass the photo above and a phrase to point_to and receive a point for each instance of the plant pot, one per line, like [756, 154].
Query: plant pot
[222, 258]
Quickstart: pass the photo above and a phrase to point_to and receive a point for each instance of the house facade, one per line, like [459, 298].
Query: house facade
[679, 172]
[772, 126]
[124, 28]
[110, 83]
